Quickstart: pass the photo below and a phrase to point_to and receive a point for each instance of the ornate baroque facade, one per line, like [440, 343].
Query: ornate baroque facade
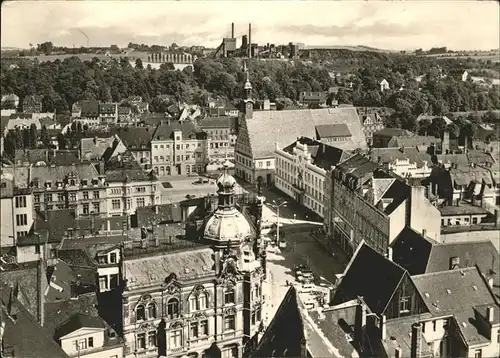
[205, 301]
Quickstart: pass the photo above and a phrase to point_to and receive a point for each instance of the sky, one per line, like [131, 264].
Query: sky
[391, 25]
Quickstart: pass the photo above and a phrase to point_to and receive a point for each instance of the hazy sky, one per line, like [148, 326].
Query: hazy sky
[457, 24]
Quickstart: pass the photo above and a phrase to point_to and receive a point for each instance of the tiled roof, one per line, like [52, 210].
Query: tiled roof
[25, 279]
[75, 257]
[399, 333]
[332, 130]
[77, 321]
[462, 209]
[479, 157]
[60, 173]
[412, 141]
[94, 148]
[392, 132]
[285, 333]
[216, 122]
[186, 264]
[457, 292]
[135, 137]
[283, 127]
[323, 155]
[60, 277]
[460, 159]
[358, 166]
[363, 278]
[411, 251]
[161, 214]
[25, 337]
[56, 313]
[48, 156]
[166, 131]
[90, 109]
[380, 186]
[390, 155]
[120, 175]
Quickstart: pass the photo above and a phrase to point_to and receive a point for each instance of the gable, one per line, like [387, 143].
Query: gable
[81, 332]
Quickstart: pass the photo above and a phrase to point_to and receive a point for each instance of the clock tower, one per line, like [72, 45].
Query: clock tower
[248, 109]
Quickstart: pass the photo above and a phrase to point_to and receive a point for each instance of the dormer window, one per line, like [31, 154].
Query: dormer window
[72, 182]
[84, 182]
[48, 184]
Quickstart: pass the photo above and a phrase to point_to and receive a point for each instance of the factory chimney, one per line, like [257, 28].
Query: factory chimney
[249, 40]
[232, 30]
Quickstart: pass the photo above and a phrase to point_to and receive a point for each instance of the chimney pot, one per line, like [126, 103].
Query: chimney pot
[424, 232]
[383, 328]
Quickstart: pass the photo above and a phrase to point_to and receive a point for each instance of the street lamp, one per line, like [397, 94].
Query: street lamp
[277, 207]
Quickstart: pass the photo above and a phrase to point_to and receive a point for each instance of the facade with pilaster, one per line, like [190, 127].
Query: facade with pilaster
[199, 297]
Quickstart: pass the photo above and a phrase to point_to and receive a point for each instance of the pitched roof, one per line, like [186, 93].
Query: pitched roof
[358, 166]
[392, 132]
[266, 128]
[323, 155]
[332, 130]
[412, 141]
[411, 251]
[77, 321]
[390, 155]
[94, 148]
[285, 334]
[61, 172]
[371, 276]
[457, 292]
[215, 122]
[135, 137]
[166, 131]
[24, 337]
[160, 214]
[186, 264]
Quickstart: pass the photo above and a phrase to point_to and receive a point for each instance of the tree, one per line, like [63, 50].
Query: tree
[33, 136]
[46, 48]
[61, 141]
[138, 64]
[44, 137]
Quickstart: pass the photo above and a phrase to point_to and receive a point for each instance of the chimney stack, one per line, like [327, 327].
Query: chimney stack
[416, 340]
[424, 232]
[389, 253]
[156, 209]
[490, 313]
[232, 30]
[383, 328]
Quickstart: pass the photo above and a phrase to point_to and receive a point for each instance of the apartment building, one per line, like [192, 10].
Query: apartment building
[178, 149]
[370, 204]
[405, 162]
[301, 169]
[129, 187]
[108, 112]
[16, 209]
[221, 137]
[77, 186]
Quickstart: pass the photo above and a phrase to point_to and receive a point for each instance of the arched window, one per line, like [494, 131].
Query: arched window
[151, 308]
[173, 308]
[140, 313]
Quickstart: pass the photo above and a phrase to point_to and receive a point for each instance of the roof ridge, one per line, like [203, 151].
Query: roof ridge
[423, 275]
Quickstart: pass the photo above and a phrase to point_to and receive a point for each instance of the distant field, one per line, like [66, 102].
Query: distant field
[485, 57]
[350, 48]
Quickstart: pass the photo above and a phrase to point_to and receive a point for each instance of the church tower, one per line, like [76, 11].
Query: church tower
[248, 109]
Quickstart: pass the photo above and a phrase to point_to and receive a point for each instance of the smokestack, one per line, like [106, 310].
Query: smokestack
[232, 30]
[249, 40]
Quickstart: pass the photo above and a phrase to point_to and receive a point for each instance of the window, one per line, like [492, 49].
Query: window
[91, 342]
[229, 296]
[36, 198]
[404, 304]
[176, 338]
[115, 203]
[229, 323]
[173, 308]
[141, 341]
[193, 303]
[96, 208]
[85, 208]
[48, 197]
[103, 260]
[193, 330]
[113, 281]
[162, 158]
[103, 282]
[151, 307]
[140, 202]
[178, 147]
[434, 325]
[202, 302]
[141, 189]
[20, 202]
[112, 257]
[478, 353]
[80, 344]
[85, 195]
[21, 220]
[268, 163]
[474, 220]
[72, 196]
[152, 339]
[96, 194]
[141, 313]
[178, 158]
[204, 327]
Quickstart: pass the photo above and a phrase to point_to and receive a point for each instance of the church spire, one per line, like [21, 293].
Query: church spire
[248, 85]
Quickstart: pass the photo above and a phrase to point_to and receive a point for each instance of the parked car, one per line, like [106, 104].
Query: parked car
[201, 181]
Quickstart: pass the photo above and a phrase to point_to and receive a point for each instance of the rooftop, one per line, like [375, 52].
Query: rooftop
[462, 209]
[266, 128]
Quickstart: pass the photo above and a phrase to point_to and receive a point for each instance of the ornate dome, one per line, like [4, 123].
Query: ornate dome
[226, 180]
[223, 226]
